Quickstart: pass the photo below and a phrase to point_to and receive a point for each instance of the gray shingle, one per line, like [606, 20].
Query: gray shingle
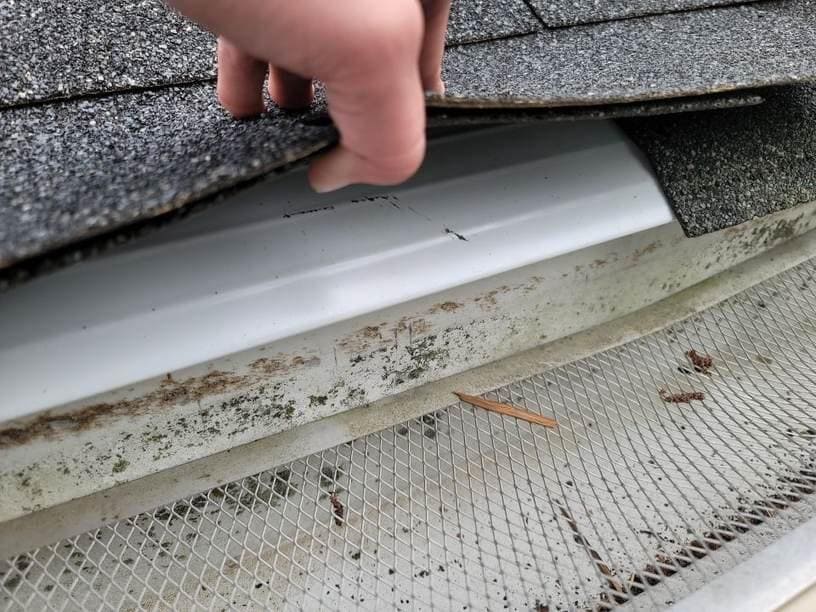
[573, 12]
[51, 49]
[486, 116]
[722, 168]
[75, 169]
[97, 47]
[480, 20]
[680, 54]
[55, 49]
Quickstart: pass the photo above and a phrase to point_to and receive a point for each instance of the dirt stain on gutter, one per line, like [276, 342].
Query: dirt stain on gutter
[170, 392]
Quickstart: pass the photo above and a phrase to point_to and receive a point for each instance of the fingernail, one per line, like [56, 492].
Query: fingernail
[327, 184]
[336, 169]
[437, 90]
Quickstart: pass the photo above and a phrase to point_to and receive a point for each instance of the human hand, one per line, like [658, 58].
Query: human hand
[375, 57]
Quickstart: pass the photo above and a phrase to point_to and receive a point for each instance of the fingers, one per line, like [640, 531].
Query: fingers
[370, 55]
[433, 48]
[378, 106]
[289, 90]
[240, 81]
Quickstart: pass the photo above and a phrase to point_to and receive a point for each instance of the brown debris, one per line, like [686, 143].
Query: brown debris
[282, 364]
[446, 306]
[647, 250]
[338, 510]
[169, 393]
[701, 363]
[684, 397]
[507, 410]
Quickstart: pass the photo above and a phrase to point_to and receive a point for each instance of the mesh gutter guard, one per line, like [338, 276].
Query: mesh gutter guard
[633, 501]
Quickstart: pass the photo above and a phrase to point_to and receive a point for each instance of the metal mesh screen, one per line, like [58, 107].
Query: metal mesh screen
[634, 500]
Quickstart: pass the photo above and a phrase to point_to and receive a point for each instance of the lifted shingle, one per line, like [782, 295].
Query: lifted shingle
[76, 169]
[573, 12]
[652, 108]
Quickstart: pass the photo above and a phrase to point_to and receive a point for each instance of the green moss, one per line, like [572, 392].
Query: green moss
[318, 400]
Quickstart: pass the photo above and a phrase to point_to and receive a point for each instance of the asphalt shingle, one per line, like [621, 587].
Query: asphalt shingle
[76, 169]
[723, 168]
[51, 49]
[675, 55]
[573, 12]
[480, 20]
